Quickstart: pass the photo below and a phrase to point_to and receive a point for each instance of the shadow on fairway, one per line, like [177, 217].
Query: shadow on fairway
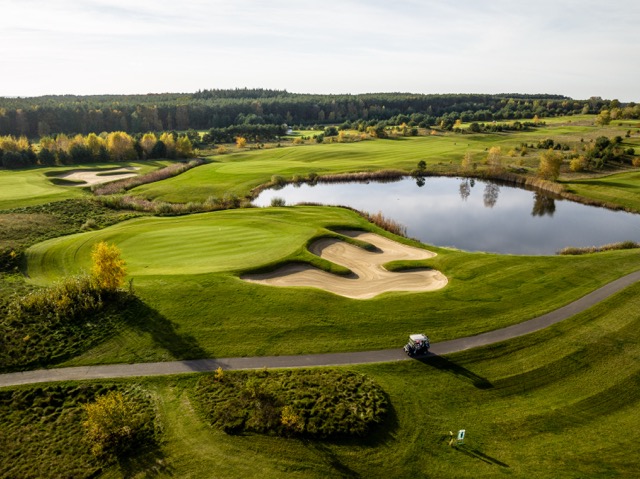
[163, 332]
[443, 364]
[379, 435]
[474, 453]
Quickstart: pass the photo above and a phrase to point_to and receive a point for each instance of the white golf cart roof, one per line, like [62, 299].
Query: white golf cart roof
[418, 338]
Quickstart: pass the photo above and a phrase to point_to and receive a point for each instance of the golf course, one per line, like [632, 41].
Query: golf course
[247, 283]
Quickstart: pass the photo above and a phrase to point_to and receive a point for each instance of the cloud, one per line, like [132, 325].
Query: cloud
[573, 47]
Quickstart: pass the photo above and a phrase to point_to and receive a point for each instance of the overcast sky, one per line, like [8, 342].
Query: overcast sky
[579, 48]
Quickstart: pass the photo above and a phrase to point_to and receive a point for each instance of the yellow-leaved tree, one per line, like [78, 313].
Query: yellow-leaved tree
[109, 269]
[113, 424]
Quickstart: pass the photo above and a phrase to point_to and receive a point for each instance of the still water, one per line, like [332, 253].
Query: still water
[474, 215]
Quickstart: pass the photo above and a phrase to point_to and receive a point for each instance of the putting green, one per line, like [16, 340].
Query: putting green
[205, 243]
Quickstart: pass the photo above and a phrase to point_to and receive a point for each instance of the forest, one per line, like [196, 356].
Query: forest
[35, 117]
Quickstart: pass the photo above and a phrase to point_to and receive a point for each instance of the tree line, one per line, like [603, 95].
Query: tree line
[206, 109]
[19, 152]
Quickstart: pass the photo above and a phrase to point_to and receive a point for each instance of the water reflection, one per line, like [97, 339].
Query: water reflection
[465, 190]
[491, 193]
[543, 205]
[452, 212]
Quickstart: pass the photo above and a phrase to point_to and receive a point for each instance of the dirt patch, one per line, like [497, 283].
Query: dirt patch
[369, 277]
[98, 177]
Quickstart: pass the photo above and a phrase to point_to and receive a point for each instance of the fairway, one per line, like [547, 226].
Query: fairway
[31, 187]
[620, 189]
[37, 186]
[241, 172]
[187, 269]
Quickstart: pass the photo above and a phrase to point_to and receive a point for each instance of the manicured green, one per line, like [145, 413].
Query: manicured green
[35, 186]
[562, 402]
[186, 273]
[620, 189]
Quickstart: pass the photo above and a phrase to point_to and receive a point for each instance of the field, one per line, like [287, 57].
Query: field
[562, 402]
[239, 173]
[484, 292]
[559, 403]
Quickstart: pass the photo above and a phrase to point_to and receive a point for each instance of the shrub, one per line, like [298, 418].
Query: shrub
[277, 201]
[387, 224]
[115, 423]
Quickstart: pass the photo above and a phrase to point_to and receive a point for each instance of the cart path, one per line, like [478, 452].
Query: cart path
[330, 359]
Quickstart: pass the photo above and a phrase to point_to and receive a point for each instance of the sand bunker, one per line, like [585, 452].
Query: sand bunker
[99, 177]
[369, 278]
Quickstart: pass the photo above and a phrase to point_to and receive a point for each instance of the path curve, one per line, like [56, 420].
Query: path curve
[331, 359]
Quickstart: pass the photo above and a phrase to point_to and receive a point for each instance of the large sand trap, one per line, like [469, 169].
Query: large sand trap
[99, 177]
[369, 278]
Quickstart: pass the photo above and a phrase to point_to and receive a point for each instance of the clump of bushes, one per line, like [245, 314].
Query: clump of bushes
[126, 202]
[572, 250]
[116, 423]
[387, 224]
[310, 403]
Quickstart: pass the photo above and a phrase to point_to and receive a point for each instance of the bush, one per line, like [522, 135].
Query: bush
[277, 201]
[115, 423]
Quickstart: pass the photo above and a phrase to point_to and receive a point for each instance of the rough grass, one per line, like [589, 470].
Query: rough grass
[304, 403]
[561, 402]
[42, 433]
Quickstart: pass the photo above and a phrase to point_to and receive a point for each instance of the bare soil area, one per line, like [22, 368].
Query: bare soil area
[369, 278]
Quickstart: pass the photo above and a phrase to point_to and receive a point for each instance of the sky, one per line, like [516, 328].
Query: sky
[578, 48]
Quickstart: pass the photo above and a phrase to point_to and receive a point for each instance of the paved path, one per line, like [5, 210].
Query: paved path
[332, 359]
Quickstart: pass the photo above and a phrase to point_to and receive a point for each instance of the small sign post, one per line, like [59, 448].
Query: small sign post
[460, 437]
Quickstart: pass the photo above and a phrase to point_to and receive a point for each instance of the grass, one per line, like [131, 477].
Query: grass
[561, 402]
[240, 173]
[42, 433]
[198, 259]
[318, 403]
[36, 186]
[621, 189]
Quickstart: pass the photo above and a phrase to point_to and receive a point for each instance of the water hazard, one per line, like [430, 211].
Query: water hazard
[473, 215]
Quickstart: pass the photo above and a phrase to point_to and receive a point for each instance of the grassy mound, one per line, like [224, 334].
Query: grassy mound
[48, 326]
[312, 403]
[42, 434]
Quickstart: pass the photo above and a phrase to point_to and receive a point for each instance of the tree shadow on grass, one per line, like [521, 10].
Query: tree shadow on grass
[443, 364]
[329, 457]
[144, 318]
[148, 461]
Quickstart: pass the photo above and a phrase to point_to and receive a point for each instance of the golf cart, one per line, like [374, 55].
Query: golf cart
[418, 344]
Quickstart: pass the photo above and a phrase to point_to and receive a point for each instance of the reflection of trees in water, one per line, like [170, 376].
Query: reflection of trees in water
[465, 190]
[543, 205]
[491, 193]
[420, 181]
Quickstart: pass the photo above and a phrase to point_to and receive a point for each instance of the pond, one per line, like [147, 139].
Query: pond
[473, 215]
